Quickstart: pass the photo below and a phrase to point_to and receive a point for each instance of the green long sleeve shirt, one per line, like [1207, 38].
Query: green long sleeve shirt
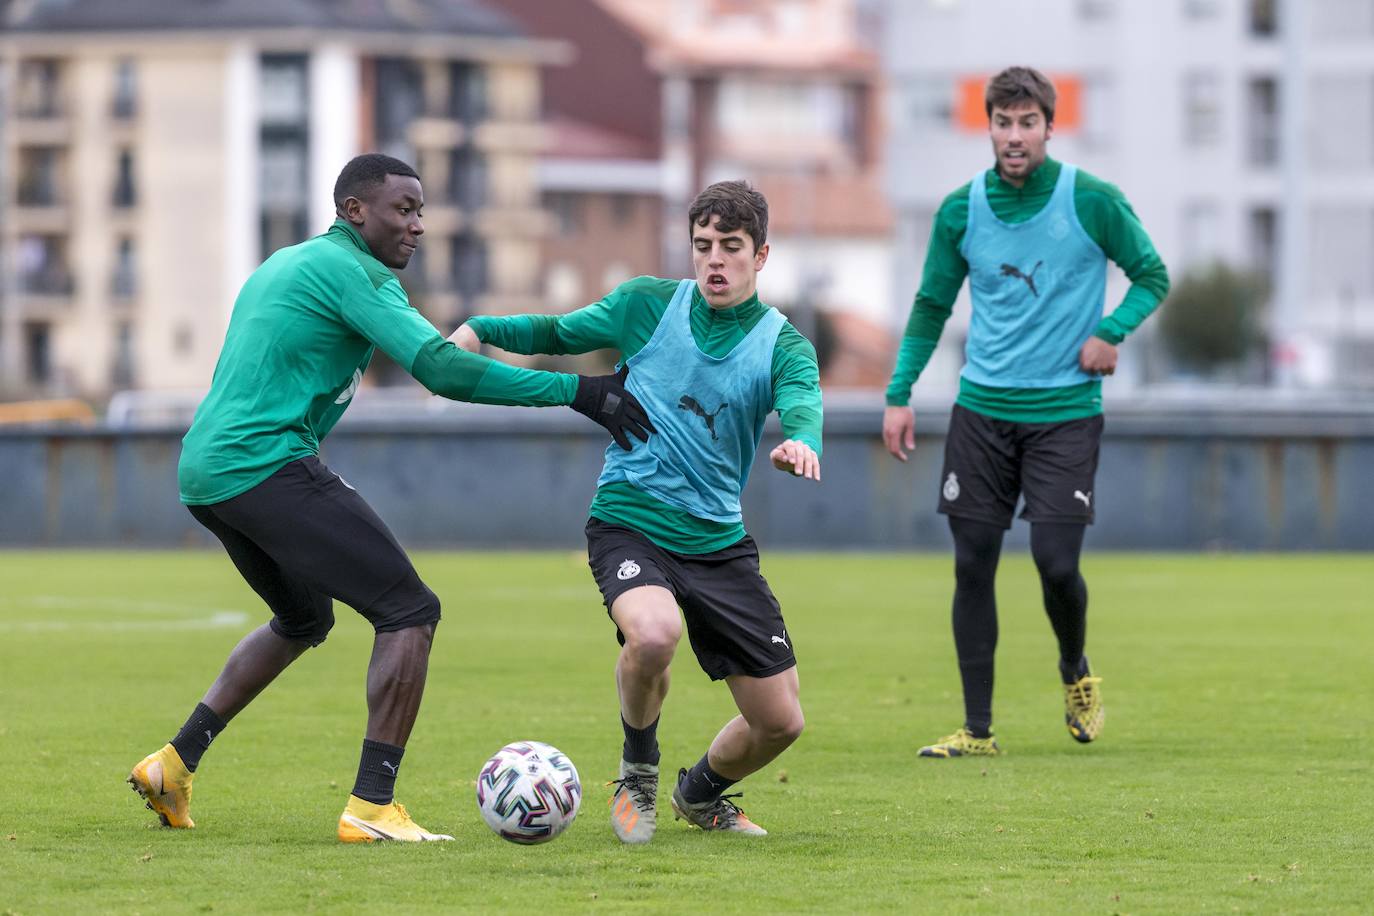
[1109, 220]
[624, 321]
[302, 333]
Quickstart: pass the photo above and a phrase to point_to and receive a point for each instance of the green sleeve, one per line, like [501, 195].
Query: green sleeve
[1111, 222]
[624, 320]
[797, 387]
[385, 317]
[944, 272]
[454, 373]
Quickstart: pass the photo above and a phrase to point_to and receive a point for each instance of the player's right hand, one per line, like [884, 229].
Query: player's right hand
[604, 399]
[899, 431]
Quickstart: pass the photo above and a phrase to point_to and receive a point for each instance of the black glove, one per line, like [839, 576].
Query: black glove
[604, 399]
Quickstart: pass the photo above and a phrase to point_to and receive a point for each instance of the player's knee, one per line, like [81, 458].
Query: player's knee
[417, 607]
[653, 642]
[784, 729]
[309, 630]
[972, 568]
[1057, 571]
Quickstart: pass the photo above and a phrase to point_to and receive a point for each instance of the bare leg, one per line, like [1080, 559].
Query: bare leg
[648, 618]
[255, 662]
[770, 720]
[396, 683]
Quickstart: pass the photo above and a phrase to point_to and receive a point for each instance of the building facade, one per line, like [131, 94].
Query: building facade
[155, 152]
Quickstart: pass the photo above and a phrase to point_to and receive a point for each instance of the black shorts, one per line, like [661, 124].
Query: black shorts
[733, 620]
[303, 537]
[990, 462]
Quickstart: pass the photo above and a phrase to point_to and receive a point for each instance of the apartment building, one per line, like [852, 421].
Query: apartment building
[663, 97]
[154, 152]
[1240, 129]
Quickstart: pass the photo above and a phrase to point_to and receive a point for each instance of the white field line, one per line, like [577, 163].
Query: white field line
[187, 616]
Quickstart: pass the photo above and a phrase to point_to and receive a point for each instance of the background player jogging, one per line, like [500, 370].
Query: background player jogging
[303, 330]
[1033, 236]
[709, 361]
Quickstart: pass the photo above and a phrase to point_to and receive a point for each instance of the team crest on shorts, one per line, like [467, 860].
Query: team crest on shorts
[628, 570]
[951, 487]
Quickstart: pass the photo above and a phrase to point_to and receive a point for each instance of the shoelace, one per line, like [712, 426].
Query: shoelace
[1081, 693]
[726, 810]
[634, 783]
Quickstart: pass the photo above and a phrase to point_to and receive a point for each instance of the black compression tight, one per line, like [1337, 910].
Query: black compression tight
[977, 549]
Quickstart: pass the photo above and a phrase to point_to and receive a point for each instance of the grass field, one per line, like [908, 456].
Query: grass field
[1234, 773]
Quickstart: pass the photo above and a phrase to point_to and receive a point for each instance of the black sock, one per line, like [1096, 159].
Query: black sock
[1073, 672]
[195, 736]
[641, 744]
[977, 549]
[703, 783]
[377, 772]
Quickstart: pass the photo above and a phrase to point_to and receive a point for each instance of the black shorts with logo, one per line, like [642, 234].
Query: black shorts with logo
[990, 462]
[303, 537]
[733, 620]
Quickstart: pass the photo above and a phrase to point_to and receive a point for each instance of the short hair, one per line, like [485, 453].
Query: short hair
[739, 207]
[1016, 85]
[365, 174]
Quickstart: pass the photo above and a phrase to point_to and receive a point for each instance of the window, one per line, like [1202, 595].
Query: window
[467, 92]
[1264, 18]
[1339, 266]
[125, 102]
[1341, 20]
[284, 151]
[928, 102]
[1201, 108]
[467, 179]
[124, 280]
[1096, 10]
[283, 90]
[1340, 118]
[1262, 119]
[125, 191]
[1264, 242]
[1201, 232]
[567, 211]
[38, 352]
[37, 91]
[39, 176]
[42, 264]
[122, 365]
[469, 259]
[400, 101]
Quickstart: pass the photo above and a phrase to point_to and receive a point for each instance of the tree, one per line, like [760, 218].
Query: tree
[1212, 318]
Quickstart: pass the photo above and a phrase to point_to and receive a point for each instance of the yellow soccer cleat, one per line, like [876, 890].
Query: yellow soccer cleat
[165, 783]
[962, 744]
[1084, 713]
[364, 822]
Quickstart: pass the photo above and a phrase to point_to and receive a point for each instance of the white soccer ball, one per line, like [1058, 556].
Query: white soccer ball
[528, 792]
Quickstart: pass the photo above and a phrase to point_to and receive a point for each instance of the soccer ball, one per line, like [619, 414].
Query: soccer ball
[528, 792]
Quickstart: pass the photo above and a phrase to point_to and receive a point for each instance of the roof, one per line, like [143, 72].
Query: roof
[454, 17]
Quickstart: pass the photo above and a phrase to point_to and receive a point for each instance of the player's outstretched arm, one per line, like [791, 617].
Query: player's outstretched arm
[604, 399]
[899, 431]
[797, 458]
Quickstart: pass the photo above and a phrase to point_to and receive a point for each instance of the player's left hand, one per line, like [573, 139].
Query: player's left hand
[797, 457]
[1097, 357]
[465, 338]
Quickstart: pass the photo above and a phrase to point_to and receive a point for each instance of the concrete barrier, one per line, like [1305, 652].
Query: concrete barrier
[478, 477]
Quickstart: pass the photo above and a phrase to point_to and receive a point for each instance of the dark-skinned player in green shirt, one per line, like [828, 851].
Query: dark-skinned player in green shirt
[1033, 237]
[303, 330]
[709, 361]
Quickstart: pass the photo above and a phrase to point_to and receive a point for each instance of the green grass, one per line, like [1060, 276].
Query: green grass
[1234, 773]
